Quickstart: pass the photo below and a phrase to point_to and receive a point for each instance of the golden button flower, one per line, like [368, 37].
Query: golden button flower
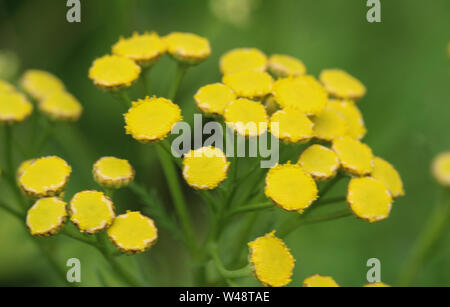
[14, 107]
[187, 47]
[249, 84]
[151, 119]
[388, 175]
[272, 261]
[291, 125]
[39, 84]
[61, 106]
[376, 285]
[246, 117]
[341, 84]
[441, 168]
[6, 86]
[113, 72]
[319, 161]
[317, 280]
[355, 157]
[23, 166]
[213, 98]
[145, 48]
[112, 172]
[284, 66]
[353, 117]
[46, 216]
[243, 59]
[329, 124]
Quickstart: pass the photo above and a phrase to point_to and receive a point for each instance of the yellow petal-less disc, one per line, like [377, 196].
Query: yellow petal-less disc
[376, 285]
[369, 199]
[249, 83]
[243, 59]
[246, 117]
[213, 98]
[61, 106]
[329, 125]
[319, 161]
[355, 157]
[23, 166]
[291, 125]
[151, 119]
[14, 107]
[145, 48]
[112, 72]
[112, 172]
[272, 261]
[388, 175]
[187, 47]
[284, 66]
[353, 117]
[440, 168]
[45, 177]
[341, 84]
[303, 93]
[205, 168]
[39, 84]
[46, 216]
[133, 232]
[6, 86]
[91, 211]
[290, 187]
[317, 280]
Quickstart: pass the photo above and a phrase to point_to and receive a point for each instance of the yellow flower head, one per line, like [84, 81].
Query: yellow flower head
[353, 117]
[213, 98]
[112, 72]
[388, 175]
[441, 168]
[23, 166]
[249, 83]
[187, 47]
[243, 59]
[6, 86]
[61, 106]
[205, 168]
[45, 177]
[319, 161]
[376, 285]
[369, 199]
[91, 211]
[151, 119]
[340, 84]
[145, 48]
[112, 172]
[292, 126]
[246, 117]
[39, 84]
[290, 187]
[355, 157]
[272, 261]
[133, 232]
[14, 107]
[303, 93]
[329, 125]
[317, 280]
[46, 216]
[284, 66]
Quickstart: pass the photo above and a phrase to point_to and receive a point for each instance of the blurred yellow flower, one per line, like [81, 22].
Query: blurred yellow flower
[46, 216]
[284, 66]
[319, 161]
[61, 106]
[355, 157]
[441, 168]
[112, 172]
[145, 48]
[293, 126]
[213, 98]
[243, 59]
[187, 47]
[353, 117]
[39, 84]
[14, 107]
[113, 72]
[6, 86]
[249, 83]
[341, 84]
[317, 280]
[246, 117]
[376, 285]
[329, 125]
[388, 175]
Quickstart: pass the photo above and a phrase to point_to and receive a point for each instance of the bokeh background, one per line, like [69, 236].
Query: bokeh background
[403, 61]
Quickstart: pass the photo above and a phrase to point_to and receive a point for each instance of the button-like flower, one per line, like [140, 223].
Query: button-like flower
[45, 177]
[151, 119]
[441, 168]
[284, 66]
[144, 49]
[246, 117]
[113, 173]
[353, 117]
[355, 157]
[319, 161]
[205, 168]
[213, 98]
[112, 72]
[369, 199]
[243, 59]
[187, 47]
[292, 126]
[23, 166]
[272, 261]
[376, 285]
[303, 93]
[329, 125]
[290, 187]
[39, 84]
[6, 86]
[46, 216]
[388, 175]
[61, 106]
[91, 211]
[14, 107]
[317, 280]
[133, 232]
[341, 84]
[249, 83]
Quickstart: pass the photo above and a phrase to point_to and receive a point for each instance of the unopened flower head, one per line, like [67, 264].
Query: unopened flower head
[14, 107]
[290, 187]
[353, 117]
[282, 65]
[369, 199]
[317, 280]
[144, 49]
[113, 173]
[341, 84]
[205, 168]
[441, 168]
[213, 98]
[249, 83]
[292, 126]
[272, 261]
[187, 48]
[61, 106]
[6, 86]
[112, 72]
[329, 125]
[91, 211]
[387, 174]
[39, 84]
[356, 157]
[151, 119]
[246, 117]
[46, 216]
[319, 161]
[243, 59]
[133, 232]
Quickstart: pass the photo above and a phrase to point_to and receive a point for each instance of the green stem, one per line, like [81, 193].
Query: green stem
[227, 274]
[251, 208]
[330, 184]
[179, 75]
[12, 211]
[9, 168]
[43, 136]
[331, 200]
[145, 80]
[243, 237]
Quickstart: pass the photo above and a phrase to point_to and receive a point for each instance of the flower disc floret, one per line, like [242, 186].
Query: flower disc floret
[61, 106]
[291, 125]
[144, 49]
[213, 98]
[317, 280]
[14, 107]
[112, 72]
[249, 84]
[39, 84]
[243, 59]
[319, 161]
[282, 65]
[112, 172]
[356, 157]
[341, 84]
[187, 47]
[352, 116]
[441, 168]
[246, 117]
[388, 175]
[46, 216]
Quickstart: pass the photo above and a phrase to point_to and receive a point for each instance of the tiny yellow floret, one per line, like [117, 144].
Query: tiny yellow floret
[319, 161]
[317, 280]
[284, 66]
[145, 48]
[46, 216]
[440, 168]
[341, 84]
[249, 83]
[187, 47]
[112, 72]
[61, 106]
[356, 157]
[23, 166]
[291, 125]
[388, 175]
[243, 59]
[329, 125]
[112, 172]
[353, 117]
[14, 107]
[213, 98]
[39, 84]
[246, 117]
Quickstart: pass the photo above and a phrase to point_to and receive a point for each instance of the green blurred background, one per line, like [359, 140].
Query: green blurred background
[402, 60]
